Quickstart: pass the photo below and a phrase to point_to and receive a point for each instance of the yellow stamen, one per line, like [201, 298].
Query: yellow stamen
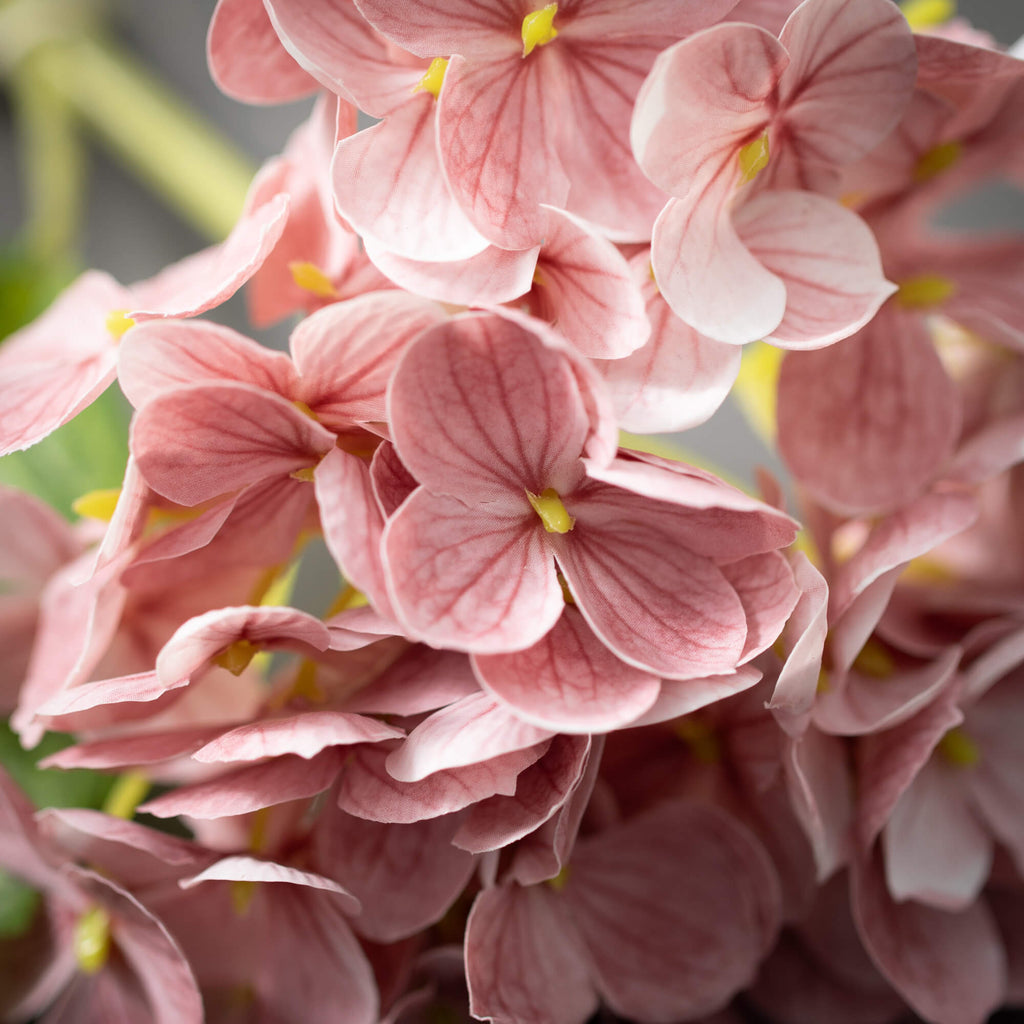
[756, 387]
[97, 504]
[306, 410]
[538, 28]
[306, 475]
[548, 505]
[91, 940]
[434, 78]
[349, 597]
[538, 278]
[824, 684]
[922, 14]
[242, 893]
[558, 883]
[128, 791]
[924, 291]
[309, 277]
[938, 159]
[959, 749]
[118, 322]
[753, 158]
[237, 657]
[874, 661]
[258, 832]
[566, 592]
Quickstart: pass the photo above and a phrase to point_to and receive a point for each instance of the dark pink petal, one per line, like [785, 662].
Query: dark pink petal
[369, 791]
[20, 846]
[389, 186]
[677, 379]
[207, 278]
[334, 43]
[60, 363]
[481, 410]
[569, 681]
[159, 966]
[654, 602]
[347, 351]
[769, 14]
[491, 277]
[250, 788]
[769, 593]
[201, 638]
[524, 960]
[950, 967]
[160, 355]
[676, 908]
[542, 789]
[585, 287]
[376, 861]
[826, 257]
[304, 734]
[851, 77]
[704, 99]
[470, 731]
[497, 125]
[421, 680]
[392, 481]
[866, 423]
[205, 440]
[246, 58]
[470, 578]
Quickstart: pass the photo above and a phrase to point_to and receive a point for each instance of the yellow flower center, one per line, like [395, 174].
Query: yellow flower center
[938, 159]
[538, 28]
[548, 505]
[924, 291]
[310, 278]
[959, 750]
[91, 940]
[118, 322]
[753, 158]
[434, 78]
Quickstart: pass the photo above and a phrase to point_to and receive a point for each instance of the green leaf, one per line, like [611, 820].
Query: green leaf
[18, 905]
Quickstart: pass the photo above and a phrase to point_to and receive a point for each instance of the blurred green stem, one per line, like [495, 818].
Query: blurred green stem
[173, 150]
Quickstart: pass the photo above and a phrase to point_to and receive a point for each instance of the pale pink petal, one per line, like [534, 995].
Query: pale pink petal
[207, 278]
[352, 523]
[375, 862]
[334, 43]
[888, 762]
[201, 638]
[389, 186]
[713, 90]
[205, 440]
[866, 423]
[497, 124]
[347, 351]
[392, 481]
[420, 680]
[708, 276]
[491, 277]
[248, 789]
[542, 789]
[160, 355]
[524, 960]
[569, 681]
[142, 687]
[60, 363]
[851, 77]
[246, 58]
[647, 595]
[680, 697]
[240, 868]
[677, 908]
[470, 578]
[677, 379]
[950, 967]
[369, 791]
[145, 748]
[826, 257]
[936, 850]
[585, 287]
[769, 14]
[520, 426]
[304, 734]
[804, 639]
[470, 731]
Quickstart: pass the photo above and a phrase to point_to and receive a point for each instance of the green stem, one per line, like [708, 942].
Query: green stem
[179, 155]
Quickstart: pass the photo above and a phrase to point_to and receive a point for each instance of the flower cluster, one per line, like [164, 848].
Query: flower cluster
[585, 726]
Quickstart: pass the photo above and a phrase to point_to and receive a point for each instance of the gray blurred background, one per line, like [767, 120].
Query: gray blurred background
[132, 234]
